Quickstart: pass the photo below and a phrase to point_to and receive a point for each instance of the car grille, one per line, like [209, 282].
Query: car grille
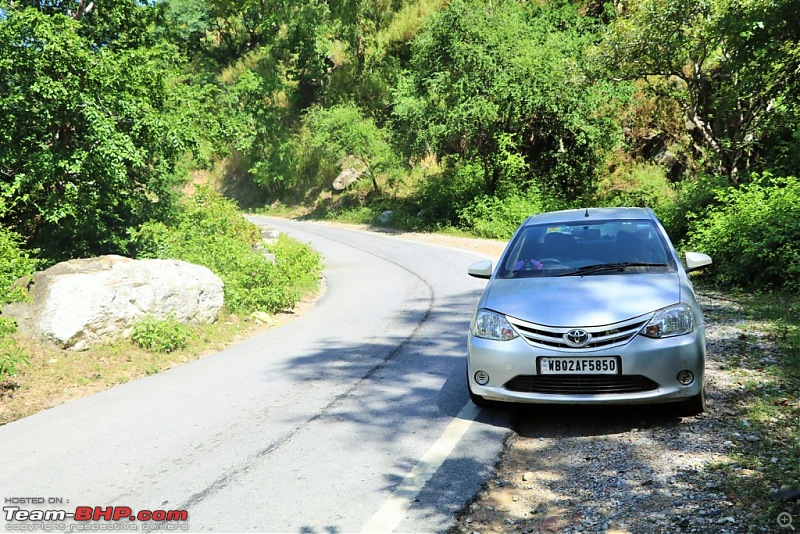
[580, 384]
[603, 337]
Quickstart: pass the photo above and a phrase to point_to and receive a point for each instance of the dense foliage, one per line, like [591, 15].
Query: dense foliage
[89, 133]
[504, 84]
[15, 263]
[465, 113]
[754, 234]
[329, 140]
[732, 66]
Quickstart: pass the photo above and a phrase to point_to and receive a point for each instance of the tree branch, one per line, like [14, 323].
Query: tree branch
[83, 10]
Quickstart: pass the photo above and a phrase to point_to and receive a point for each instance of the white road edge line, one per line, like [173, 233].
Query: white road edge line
[394, 509]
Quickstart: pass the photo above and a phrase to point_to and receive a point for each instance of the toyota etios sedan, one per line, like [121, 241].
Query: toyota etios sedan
[589, 307]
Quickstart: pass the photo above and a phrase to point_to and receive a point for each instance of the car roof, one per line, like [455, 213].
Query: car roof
[594, 215]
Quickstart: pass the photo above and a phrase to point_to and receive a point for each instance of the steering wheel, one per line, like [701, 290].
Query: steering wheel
[553, 262]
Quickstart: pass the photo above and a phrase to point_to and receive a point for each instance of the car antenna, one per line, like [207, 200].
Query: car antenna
[587, 213]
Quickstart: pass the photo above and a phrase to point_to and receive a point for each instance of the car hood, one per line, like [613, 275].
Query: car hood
[582, 300]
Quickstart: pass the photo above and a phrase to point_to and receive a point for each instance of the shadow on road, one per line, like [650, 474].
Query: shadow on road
[548, 421]
[396, 394]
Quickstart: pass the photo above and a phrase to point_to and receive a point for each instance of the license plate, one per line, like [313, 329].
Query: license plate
[604, 365]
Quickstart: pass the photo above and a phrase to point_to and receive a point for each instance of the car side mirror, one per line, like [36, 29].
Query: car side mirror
[481, 269]
[696, 260]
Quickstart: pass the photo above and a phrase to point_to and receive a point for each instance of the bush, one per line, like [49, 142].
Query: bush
[642, 185]
[166, 335]
[754, 234]
[15, 263]
[11, 354]
[314, 156]
[494, 217]
[210, 231]
[442, 196]
[694, 197]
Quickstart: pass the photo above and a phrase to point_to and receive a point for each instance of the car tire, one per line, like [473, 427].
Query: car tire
[693, 405]
[479, 401]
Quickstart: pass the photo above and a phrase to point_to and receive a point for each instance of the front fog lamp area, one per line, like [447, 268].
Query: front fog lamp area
[490, 325]
[686, 377]
[673, 321]
[482, 378]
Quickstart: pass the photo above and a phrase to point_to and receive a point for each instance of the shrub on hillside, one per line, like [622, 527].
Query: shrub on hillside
[497, 218]
[15, 263]
[754, 234]
[694, 197]
[317, 153]
[161, 336]
[442, 196]
[210, 231]
[643, 185]
[646, 185]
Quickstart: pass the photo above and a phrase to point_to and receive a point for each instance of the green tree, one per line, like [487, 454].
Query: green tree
[315, 154]
[106, 23]
[88, 135]
[504, 84]
[732, 65]
[332, 134]
[188, 23]
[232, 28]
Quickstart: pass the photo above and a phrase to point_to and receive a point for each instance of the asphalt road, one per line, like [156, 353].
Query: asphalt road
[353, 417]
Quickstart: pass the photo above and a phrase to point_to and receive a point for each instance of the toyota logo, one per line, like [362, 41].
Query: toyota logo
[577, 337]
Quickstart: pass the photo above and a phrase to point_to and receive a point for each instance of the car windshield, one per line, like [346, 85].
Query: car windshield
[605, 247]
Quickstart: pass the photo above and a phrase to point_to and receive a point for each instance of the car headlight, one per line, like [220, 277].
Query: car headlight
[673, 321]
[491, 325]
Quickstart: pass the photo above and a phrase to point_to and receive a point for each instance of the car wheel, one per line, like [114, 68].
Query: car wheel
[479, 401]
[693, 405]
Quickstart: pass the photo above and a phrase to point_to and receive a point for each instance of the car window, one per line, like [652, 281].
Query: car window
[554, 250]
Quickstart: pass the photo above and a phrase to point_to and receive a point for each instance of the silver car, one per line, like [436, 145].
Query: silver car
[589, 307]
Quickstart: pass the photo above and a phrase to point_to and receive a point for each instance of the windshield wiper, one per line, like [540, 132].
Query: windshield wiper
[602, 267]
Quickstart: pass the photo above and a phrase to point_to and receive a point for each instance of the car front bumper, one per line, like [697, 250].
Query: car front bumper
[653, 364]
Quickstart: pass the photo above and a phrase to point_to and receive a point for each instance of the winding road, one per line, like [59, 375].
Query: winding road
[351, 418]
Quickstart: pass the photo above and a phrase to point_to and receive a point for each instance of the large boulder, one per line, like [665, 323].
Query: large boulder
[78, 303]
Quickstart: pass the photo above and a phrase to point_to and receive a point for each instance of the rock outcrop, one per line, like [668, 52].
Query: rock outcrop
[78, 303]
[353, 168]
